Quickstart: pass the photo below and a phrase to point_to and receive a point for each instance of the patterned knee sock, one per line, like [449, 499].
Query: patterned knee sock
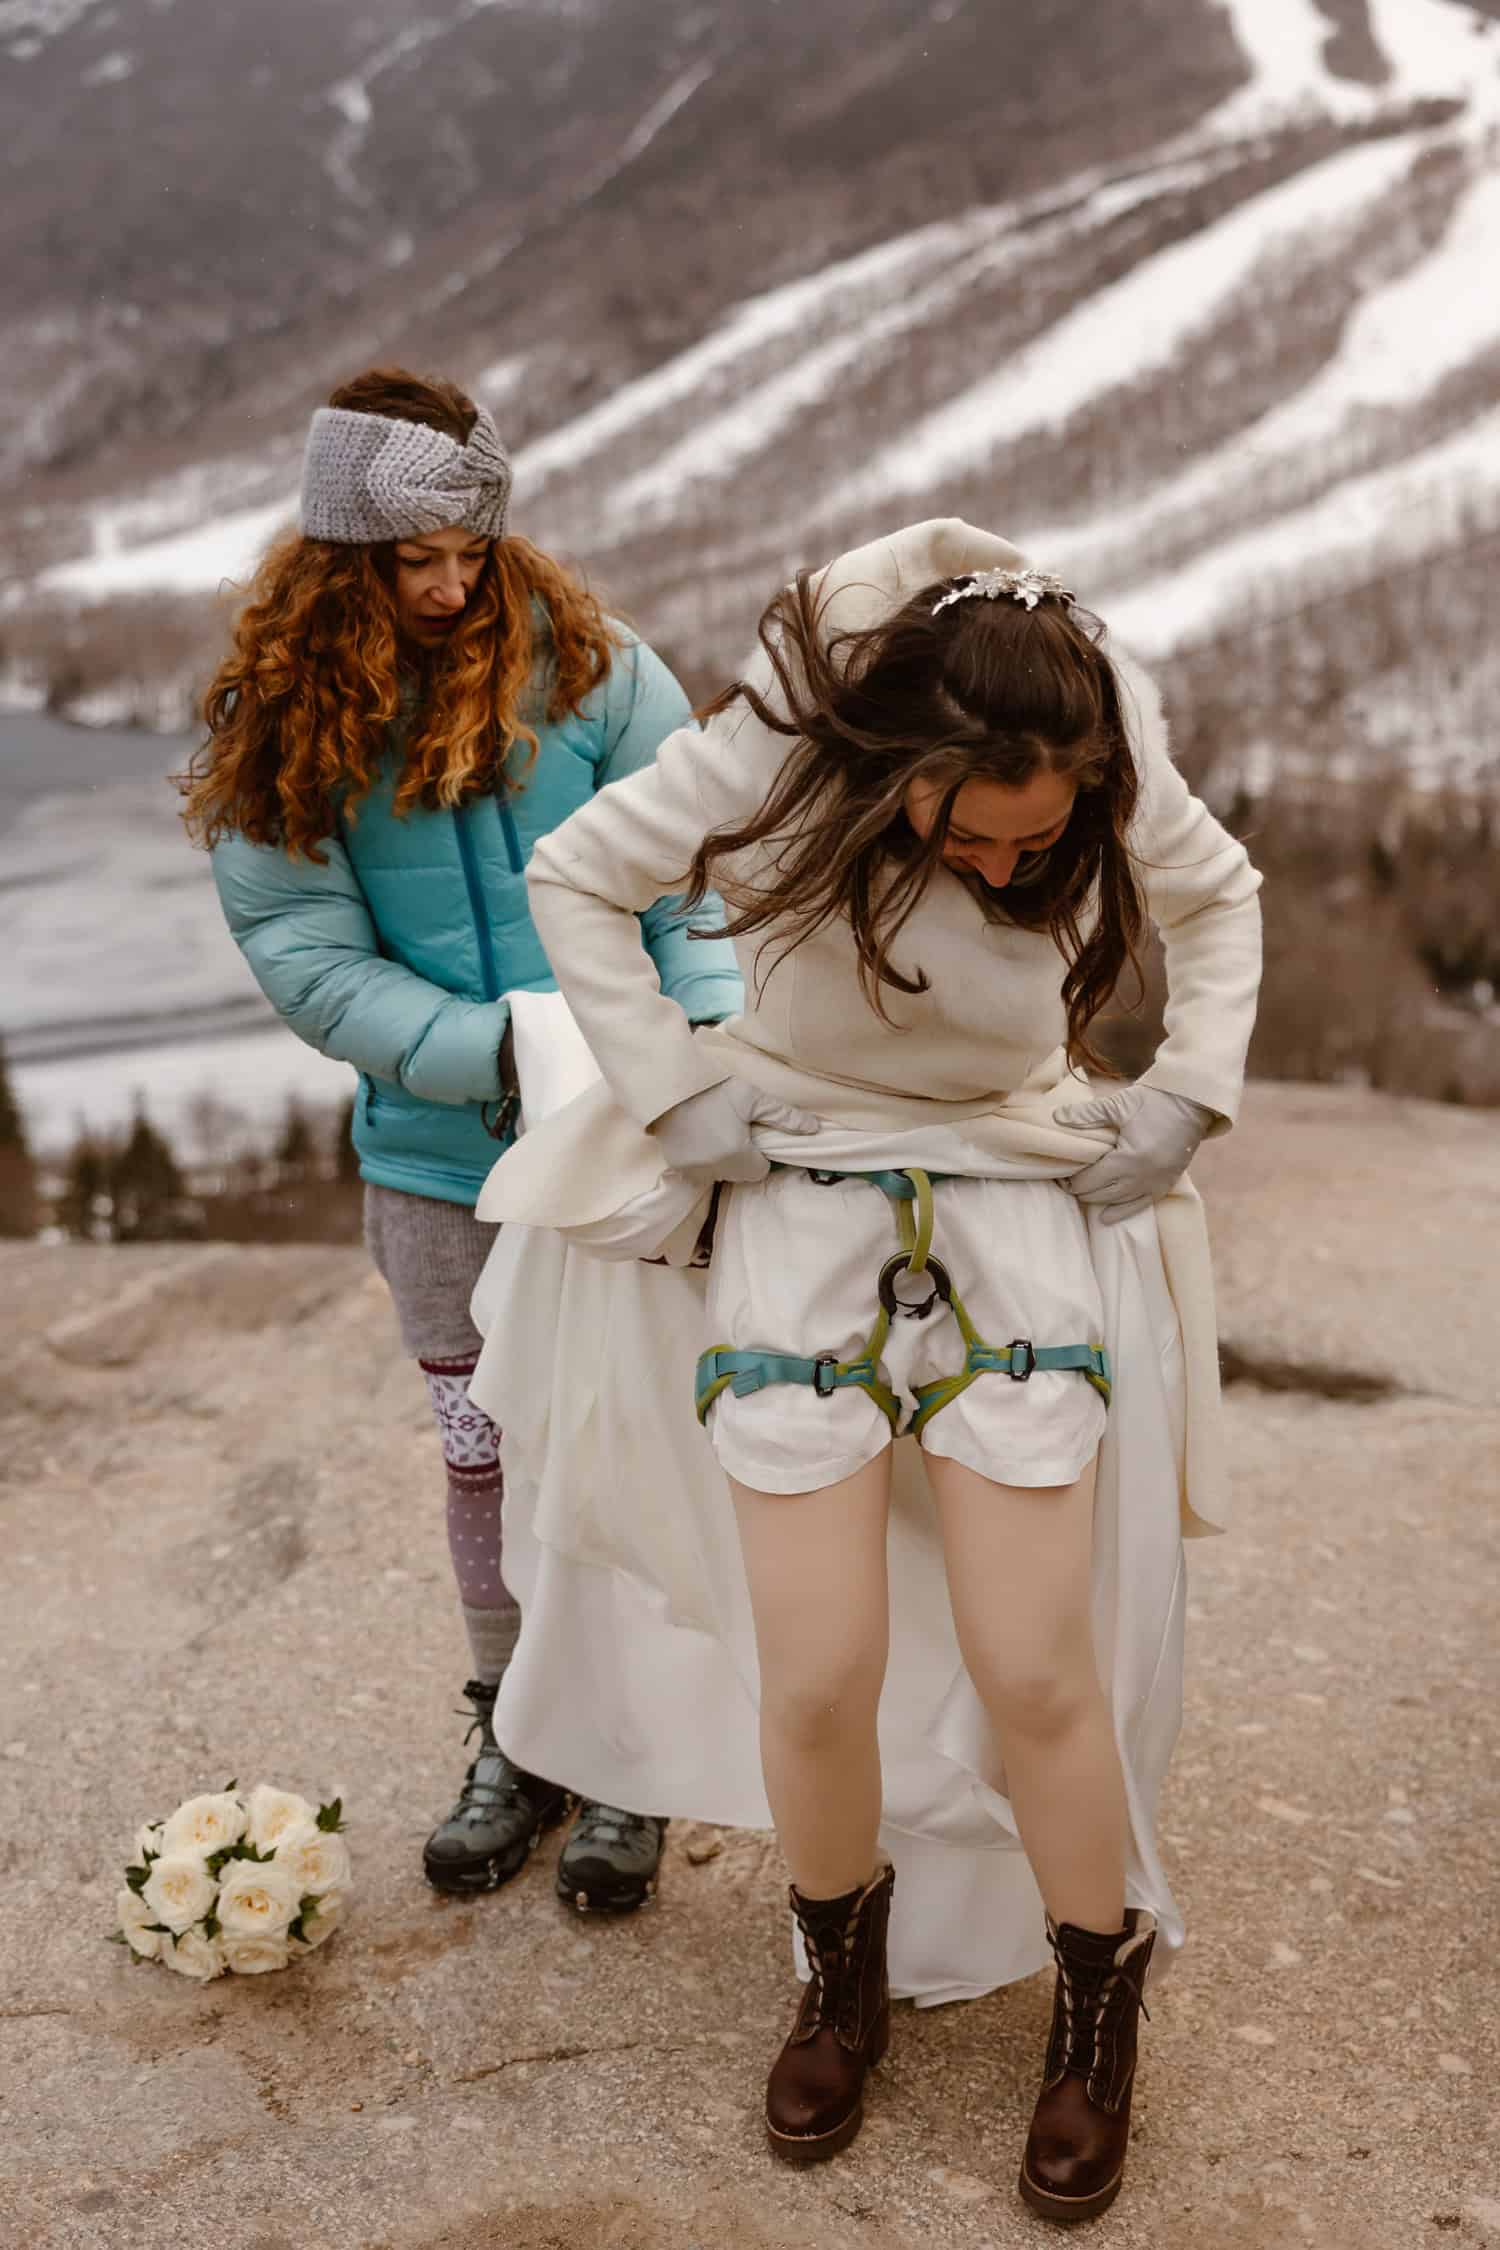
[471, 1455]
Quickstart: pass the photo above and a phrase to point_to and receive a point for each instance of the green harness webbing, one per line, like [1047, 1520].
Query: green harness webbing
[911, 1193]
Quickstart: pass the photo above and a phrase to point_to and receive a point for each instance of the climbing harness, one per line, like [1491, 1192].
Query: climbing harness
[910, 1191]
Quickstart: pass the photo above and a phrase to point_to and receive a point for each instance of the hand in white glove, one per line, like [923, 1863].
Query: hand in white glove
[711, 1136]
[1158, 1134]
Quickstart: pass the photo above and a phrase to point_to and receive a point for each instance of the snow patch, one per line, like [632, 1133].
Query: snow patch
[760, 322]
[500, 378]
[716, 447]
[21, 691]
[110, 70]
[352, 102]
[193, 562]
[1397, 347]
[101, 707]
[1436, 499]
[351, 98]
[41, 19]
[1135, 327]
[751, 326]
[180, 502]
[719, 444]
[1438, 47]
[661, 113]
[1283, 41]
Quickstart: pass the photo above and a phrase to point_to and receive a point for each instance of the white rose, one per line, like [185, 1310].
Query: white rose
[179, 1890]
[134, 1915]
[275, 1814]
[148, 1842]
[253, 1956]
[205, 1824]
[194, 1955]
[323, 1919]
[257, 1899]
[320, 1862]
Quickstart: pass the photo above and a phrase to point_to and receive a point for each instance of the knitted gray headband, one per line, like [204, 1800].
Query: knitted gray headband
[369, 477]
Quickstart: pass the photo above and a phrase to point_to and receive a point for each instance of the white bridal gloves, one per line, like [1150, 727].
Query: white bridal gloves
[711, 1136]
[1157, 1139]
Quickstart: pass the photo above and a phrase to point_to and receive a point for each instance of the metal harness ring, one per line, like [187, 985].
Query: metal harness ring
[934, 1271]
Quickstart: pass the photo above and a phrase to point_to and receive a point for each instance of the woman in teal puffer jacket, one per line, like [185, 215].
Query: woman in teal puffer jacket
[413, 699]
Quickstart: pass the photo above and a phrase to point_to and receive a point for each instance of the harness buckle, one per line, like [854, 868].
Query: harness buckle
[828, 1360]
[1022, 1359]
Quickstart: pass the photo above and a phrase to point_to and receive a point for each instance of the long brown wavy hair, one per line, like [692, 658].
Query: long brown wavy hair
[300, 710]
[983, 690]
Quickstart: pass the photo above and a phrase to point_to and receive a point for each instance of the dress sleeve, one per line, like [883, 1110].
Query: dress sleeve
[699, 973]
[1200, 891]
[611, 861]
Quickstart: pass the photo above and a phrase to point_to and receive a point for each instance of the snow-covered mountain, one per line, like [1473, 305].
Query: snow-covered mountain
[1193, 298]
[1225, 339]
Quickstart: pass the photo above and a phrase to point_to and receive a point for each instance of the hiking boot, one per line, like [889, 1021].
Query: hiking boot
[608, 1864]
[1075, 2152]
[815, 2096]
[500, 1815]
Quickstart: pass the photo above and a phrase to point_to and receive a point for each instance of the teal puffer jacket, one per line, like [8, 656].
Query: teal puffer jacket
[394, 955]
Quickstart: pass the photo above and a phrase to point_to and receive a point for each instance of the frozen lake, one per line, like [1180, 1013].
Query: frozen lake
[118, 979]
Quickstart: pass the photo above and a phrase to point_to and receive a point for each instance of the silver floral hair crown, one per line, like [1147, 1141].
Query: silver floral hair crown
[1026, 586]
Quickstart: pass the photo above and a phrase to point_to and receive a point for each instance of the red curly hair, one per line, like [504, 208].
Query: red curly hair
[299, 712]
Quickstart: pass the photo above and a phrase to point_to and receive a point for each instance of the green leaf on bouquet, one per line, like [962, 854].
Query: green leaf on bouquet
[211, 1925]
[214, 1864]
[331, 1817]
[295, 1929]
[246, 1850]
[160, 1928]
[118, 1937]
[228, 1786]
[135, 1877]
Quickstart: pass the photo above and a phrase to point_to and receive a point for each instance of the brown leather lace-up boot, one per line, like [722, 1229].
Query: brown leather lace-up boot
[1075, 2152]
[815, 2098]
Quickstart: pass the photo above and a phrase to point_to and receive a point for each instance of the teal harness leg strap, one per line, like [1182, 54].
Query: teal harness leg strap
[746, 1372]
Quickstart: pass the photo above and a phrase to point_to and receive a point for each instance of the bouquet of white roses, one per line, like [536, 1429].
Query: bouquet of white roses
[236, 1882]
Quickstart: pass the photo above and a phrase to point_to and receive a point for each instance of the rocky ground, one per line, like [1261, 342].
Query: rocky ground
[224, 1556]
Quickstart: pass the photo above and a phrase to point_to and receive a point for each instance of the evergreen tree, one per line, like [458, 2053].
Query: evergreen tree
[18, 1211]
[12, 1131]
[85, 1182]
[296, 1151]
[345, 1155]
[145, 1184]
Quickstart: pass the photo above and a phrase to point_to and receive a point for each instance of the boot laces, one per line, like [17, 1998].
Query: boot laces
[609, 1824]
[1091, 1997]
[503, 1788]
[484, 1793]
[830, 1957]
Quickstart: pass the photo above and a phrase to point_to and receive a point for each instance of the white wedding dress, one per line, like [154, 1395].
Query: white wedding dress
[635, 1677]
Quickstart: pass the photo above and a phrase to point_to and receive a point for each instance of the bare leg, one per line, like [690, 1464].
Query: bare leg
[816, 1565]
[1018, 1577]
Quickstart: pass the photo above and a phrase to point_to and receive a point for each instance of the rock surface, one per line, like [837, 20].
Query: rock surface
[224, 1556]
